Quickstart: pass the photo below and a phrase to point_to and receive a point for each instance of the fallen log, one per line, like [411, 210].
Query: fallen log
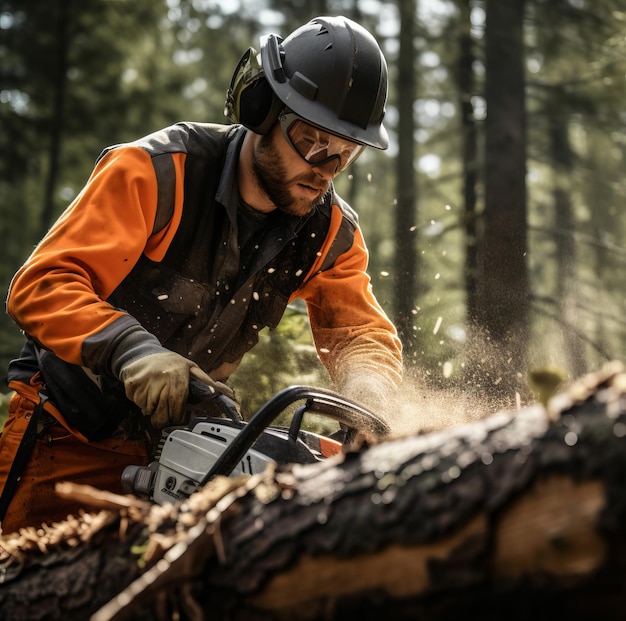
[520, 515]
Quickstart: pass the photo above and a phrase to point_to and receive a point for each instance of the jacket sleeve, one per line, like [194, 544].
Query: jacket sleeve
[58, 297]
[355, 340]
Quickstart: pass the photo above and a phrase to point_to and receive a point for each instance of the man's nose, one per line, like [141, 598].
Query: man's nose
[328, 170]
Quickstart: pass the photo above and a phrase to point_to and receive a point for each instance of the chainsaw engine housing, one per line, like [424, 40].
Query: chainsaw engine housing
[187, 457]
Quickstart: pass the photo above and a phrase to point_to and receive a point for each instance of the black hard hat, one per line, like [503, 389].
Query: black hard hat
[332, 73]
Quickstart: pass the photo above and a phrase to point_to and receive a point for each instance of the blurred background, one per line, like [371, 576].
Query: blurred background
[495, 221]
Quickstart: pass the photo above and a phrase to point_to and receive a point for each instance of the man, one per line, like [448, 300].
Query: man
[180, 248]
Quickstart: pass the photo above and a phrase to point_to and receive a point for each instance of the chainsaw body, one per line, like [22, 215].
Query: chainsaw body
[188, 457]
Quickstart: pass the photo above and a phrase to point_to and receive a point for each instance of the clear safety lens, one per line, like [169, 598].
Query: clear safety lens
[317, 146]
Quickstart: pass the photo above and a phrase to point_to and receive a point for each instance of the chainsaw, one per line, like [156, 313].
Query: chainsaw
[224, 443]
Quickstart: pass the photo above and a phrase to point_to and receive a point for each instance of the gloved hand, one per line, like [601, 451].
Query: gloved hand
[369, 390]
[159, 384]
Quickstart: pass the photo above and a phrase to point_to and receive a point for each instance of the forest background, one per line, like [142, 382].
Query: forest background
[495, 220]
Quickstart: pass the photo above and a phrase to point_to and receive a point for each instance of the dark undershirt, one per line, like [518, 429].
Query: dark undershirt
[250, 221]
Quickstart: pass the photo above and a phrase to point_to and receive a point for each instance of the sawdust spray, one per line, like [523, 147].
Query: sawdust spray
[483, 379]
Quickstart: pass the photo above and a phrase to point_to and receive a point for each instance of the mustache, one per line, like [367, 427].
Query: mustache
[313, 181]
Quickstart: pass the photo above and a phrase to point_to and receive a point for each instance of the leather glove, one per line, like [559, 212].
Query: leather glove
[159, 384]
[371, 391]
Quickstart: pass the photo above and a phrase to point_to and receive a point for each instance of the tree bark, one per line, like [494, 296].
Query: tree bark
[520, 515]
[503, 291]
[465, 79]
[562, 164]
[406, 260]
[63, 15]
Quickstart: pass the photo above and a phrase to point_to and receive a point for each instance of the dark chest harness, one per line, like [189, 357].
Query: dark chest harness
[210, 296]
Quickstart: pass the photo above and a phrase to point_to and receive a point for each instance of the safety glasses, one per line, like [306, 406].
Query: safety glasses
[315, 145]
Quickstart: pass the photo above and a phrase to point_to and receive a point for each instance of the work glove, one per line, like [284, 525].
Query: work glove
[159, 384]
[370, 390]
[366, 391]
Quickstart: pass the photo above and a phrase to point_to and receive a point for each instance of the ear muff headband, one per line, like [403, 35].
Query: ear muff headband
[248, 70]
[250, 99]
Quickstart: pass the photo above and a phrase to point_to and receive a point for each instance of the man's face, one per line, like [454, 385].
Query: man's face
[293, 185]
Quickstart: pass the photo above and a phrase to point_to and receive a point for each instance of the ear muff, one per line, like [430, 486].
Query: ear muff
[250, 99]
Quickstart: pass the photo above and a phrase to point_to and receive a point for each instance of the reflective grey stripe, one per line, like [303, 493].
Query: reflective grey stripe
[342, 243]
[166, 183]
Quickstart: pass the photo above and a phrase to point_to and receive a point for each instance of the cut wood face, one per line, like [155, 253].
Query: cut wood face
[400, 571]
[553, 528]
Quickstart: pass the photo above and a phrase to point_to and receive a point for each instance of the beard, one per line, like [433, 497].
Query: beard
[271, 174]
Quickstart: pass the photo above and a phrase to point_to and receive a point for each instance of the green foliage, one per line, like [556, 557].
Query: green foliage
[283, 357]
[4, 405]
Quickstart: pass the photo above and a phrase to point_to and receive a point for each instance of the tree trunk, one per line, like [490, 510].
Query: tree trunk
[405, 263]
[518, 516]
[62, 18]
[561, 158]
[465, 82]
[503, 296]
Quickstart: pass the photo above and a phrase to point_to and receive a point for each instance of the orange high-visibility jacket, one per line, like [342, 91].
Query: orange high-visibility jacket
[149, 249]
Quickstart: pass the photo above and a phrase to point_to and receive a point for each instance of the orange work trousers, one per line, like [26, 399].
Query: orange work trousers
[60, 454]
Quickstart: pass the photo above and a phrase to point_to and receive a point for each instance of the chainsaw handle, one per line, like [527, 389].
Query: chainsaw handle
[320, 400]
[199, 392]
[347, 412]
